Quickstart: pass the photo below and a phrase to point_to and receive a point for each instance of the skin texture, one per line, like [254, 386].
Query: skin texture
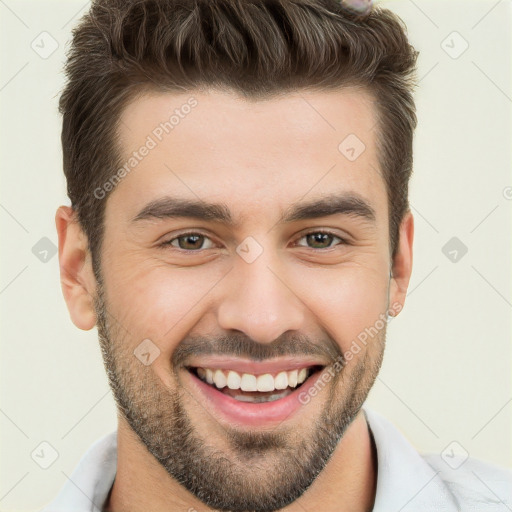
[258, 159]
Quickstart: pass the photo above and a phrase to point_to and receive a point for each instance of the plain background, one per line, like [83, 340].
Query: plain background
[447, 370]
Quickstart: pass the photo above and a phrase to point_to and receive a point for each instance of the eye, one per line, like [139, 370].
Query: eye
[189, 242]
[194, 241]
[320, 240]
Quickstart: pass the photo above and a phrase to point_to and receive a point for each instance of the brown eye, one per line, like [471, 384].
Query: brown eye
[319, 240]
[190, 242]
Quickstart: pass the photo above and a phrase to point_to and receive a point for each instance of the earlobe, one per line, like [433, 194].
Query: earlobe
[400, 273]
[76, 275]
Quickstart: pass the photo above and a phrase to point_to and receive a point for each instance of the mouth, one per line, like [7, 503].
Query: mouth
[252, 399]
[252, 388]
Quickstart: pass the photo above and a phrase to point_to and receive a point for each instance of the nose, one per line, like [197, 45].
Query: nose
[260, 302]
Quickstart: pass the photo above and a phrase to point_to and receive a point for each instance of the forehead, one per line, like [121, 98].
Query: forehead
[217, 145]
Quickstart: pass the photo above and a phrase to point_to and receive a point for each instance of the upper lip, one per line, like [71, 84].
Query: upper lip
[255, 367]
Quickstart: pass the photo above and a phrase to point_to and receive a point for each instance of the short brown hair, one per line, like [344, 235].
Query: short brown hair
[257, 48]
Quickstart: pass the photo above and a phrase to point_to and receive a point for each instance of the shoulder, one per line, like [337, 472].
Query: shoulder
[91, 480]
[438, 481]
[475, 484]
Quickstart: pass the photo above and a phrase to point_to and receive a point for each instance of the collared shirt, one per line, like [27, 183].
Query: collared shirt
[406, 480]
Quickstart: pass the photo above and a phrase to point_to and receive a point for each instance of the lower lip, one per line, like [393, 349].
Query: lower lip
[252, 414]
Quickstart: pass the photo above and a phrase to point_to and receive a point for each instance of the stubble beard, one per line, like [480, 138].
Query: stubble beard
[261, 471]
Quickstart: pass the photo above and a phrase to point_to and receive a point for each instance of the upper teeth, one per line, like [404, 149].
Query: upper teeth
[250, 382]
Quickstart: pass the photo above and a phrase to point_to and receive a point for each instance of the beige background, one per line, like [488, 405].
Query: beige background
[447, 371]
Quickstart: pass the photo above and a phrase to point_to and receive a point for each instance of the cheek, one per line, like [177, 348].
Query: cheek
[151, 299]
[348, 302]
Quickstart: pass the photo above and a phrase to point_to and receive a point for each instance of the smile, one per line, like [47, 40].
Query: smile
[248, 387]
[251, 398]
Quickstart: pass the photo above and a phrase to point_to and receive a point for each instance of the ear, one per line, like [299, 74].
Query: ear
[401, 266]
[76, 275]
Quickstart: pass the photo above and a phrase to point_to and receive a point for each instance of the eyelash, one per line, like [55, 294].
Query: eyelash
[167, 243]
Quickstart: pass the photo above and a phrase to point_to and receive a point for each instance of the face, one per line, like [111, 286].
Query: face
[244, 255]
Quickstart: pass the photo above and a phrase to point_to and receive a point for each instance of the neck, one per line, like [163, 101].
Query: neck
[347, 483]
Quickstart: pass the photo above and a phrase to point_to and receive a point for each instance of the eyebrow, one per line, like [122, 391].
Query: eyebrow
[172, 207]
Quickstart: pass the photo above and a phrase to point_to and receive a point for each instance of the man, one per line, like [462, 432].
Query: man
[238, 174]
